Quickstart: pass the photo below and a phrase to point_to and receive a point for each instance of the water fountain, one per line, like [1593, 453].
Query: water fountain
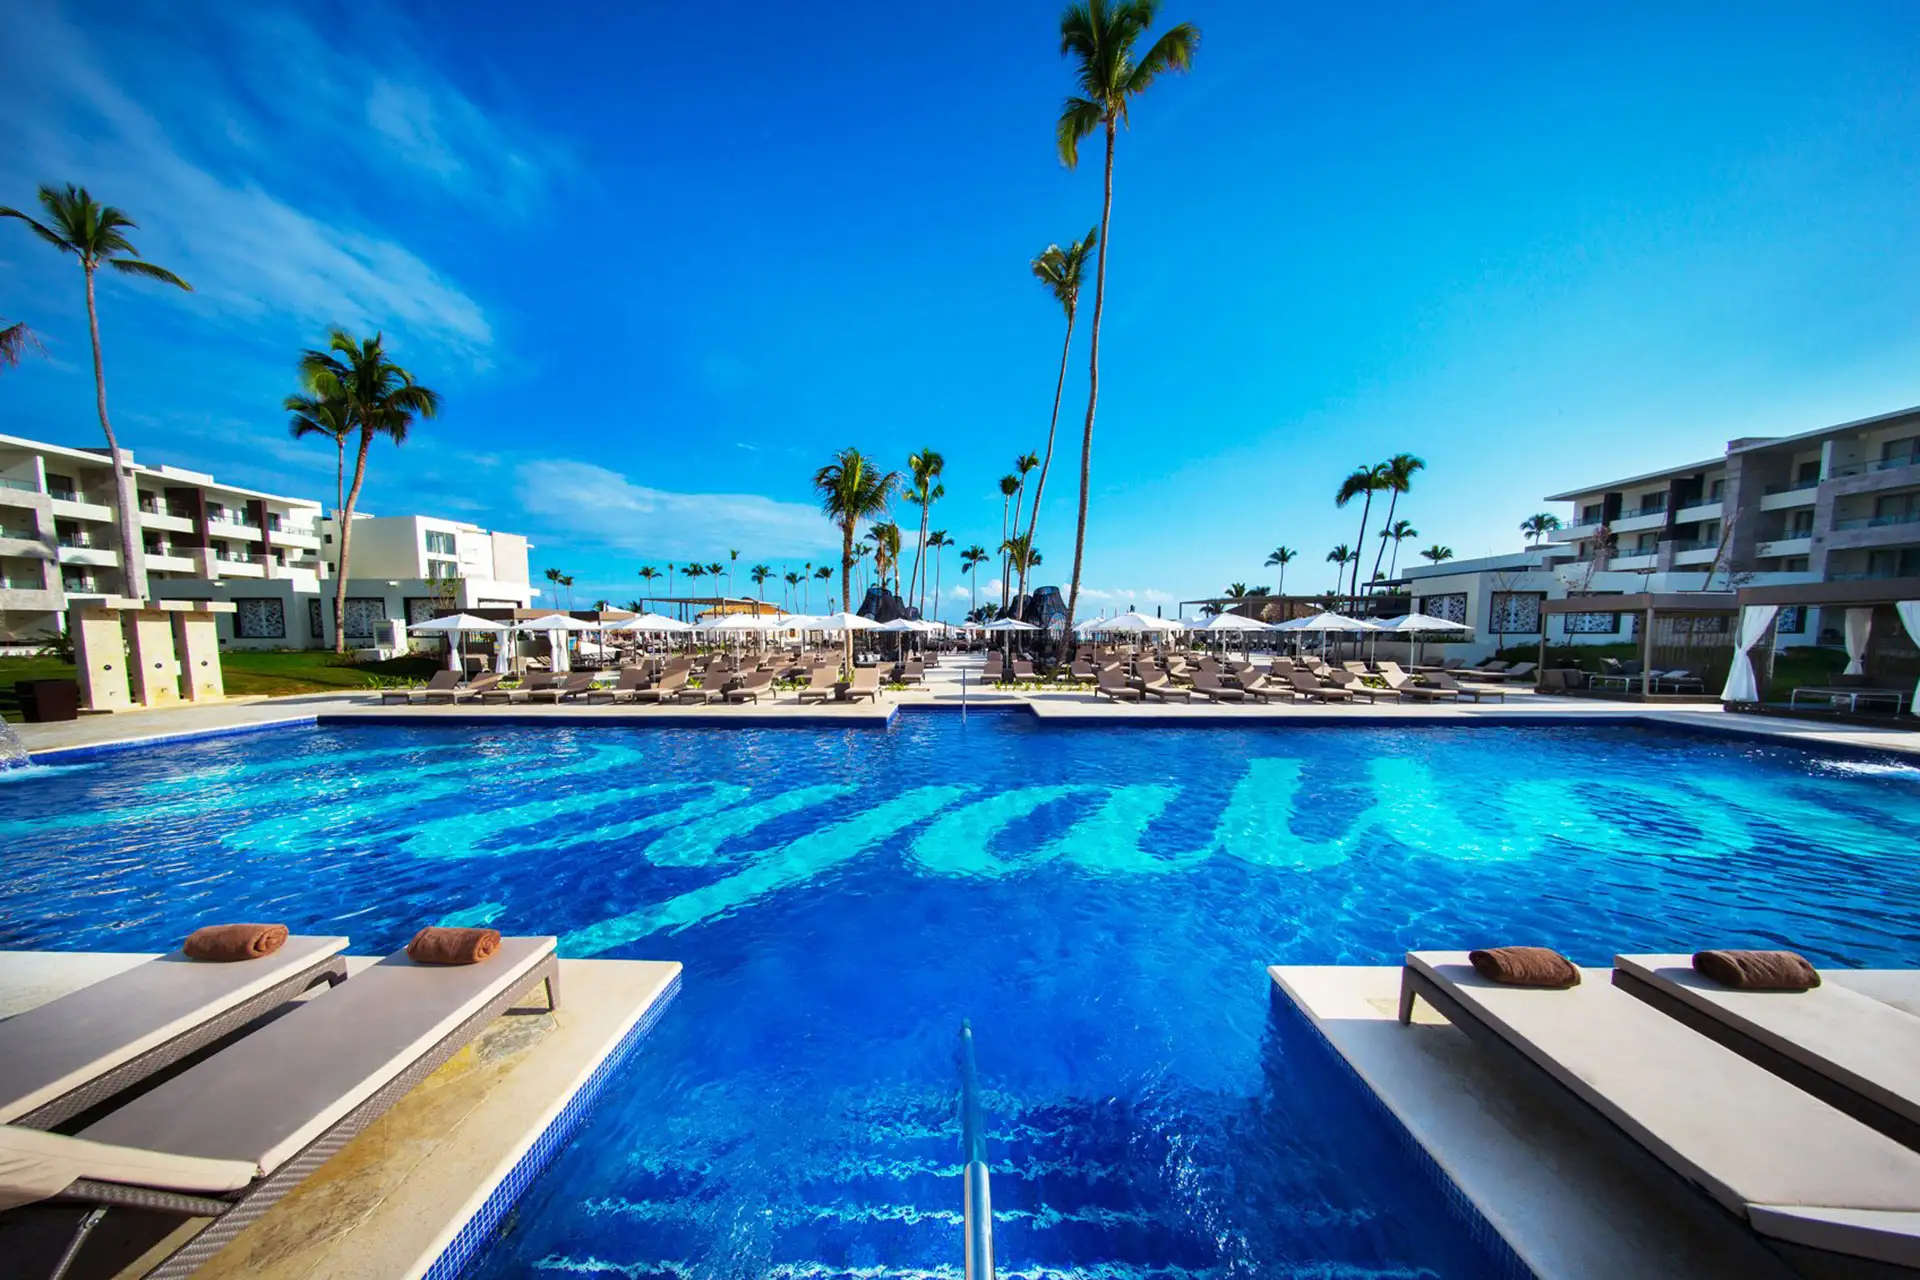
[13, 752]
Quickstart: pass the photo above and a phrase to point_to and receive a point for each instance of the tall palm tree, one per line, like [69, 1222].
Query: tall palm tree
[1399, 478]
[1364, 481]
[1060, 270]
[693, 573]
[1396, 532]
[1237, 591]
[647, 574]
[382, 399]
[14, 340]
[758, 575]
[936, 539]
[1436, 553]
[792, 579]
[1342, 556]
[94, 234]
[923, 490]
[1282, 556]
[669, 581]
[732, 557]
[1021, 555]
[1099, 37]
[970, 561]
[323, 412]
[1009, 485]
[555, 576]
[852, 489]
[823, 574]
[885, 536]
[566, 580]
[1539, 526]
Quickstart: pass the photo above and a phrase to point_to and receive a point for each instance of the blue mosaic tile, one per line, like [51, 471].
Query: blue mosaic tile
[479, 1230]
[74, 755]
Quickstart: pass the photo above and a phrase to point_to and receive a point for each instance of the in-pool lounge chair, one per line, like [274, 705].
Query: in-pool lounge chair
[229, 1136]
[1849, 1049]
[443, 681]
[63, 1057]
[1813, 1184]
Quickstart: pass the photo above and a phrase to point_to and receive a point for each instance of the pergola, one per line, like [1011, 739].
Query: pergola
[717, 605]
[1693, 630]
[1876, 620]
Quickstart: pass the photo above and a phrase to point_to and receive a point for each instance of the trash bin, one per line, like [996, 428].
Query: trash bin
[44, 700]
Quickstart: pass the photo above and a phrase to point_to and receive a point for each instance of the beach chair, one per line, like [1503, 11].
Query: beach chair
[468, 692]
[751, 687]
[1808, 1182]
[1473, 693]
[578, 684]
[1518, 671]
[67, 1055]
[535, 682]
[1023, 669]
[1308, 686]
[912, 671]
[1207, 684]
[820, 684]
[1846, 1048]
[632, 680]
[1155, 683]
[1491, 667]
[1112, 683]
[995, 669]
[713, 688]
[231, 1135]
[1405, 688]
[865, 684]
[443, 681]
[1680, 680]
[671, 682]
[1262, 689]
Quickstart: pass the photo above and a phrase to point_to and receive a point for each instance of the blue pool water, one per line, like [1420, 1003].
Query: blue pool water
[1100, 902]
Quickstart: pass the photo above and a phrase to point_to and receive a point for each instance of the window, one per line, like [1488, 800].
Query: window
[149, 503]
[1717, 490]
[1646, 544]
[1453, 607]
[1800, 524]
[443, 568]
[1896, 508]
[1592, 624]
[152, 545]
[439, 543]
[1791, 620]
[1894, 562]
[1900, 452]
[1653, 502]
[420, 609]
[315, 629]
[362, 613]
[259, 618]
[216, 512]
[1516, 613]
[1807, 473]
[273, 522]
[1794, 564]
[1593, 513]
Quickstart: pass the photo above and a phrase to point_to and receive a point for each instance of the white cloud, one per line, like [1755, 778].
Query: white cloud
[591, 504]
[1146, 595]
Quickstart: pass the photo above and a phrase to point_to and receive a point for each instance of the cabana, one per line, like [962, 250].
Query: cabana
[1875, 621]
[1679, 631]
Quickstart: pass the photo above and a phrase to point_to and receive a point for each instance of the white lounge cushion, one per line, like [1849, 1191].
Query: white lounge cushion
[267, 1096]
[1872, 1048]
[35, 1165]
[1741, 1133]
[1868, 1233]
[55, 1048]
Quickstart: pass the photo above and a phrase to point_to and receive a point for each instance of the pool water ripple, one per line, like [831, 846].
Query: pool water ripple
[1100, 902]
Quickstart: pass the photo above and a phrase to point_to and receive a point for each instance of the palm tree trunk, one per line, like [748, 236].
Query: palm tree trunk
[1366, 509]
[340, 475]
[936, 583]
[1005, 571]
[133, 576]
[846, 567]
[1093, 391]
[1053, 425]
[1391, 505]
[346, 540]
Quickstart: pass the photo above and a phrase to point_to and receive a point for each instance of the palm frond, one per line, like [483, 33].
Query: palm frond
[136, 267]
[1079, 117]
[42, 230]
[1173, 51]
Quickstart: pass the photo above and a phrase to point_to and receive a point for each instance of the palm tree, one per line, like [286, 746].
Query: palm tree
[885, 536]
[555, 577]
[1237, 591]
[669, 581]
[792, 580]
[1399, 478]
[693, 573]
[1365, 481]
[1099, 36]
[1060, 270]
[970, 561]
[1436, 553]
[324, 413]
[1021, 555]
[1396, 532]
[93, 234]
[758, 575]
[381, 399]
[1539, 526]
[936, 542]
[635, 606]
[1009, 485]
[14, 340]
[1282, 556]
[647, 574]
[823, 574]
[1342, 556]
[852, 489]
[566, 580]
[923, 490]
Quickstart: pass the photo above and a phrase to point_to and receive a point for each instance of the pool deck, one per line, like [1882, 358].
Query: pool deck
[944, 691]
[1560, 1199]
[455, 1150]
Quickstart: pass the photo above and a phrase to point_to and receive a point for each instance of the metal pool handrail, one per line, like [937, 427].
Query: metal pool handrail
[973, 1155]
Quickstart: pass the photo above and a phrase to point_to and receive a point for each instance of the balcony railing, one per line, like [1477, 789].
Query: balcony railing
[1796, 487]
[1878, 522]
[1696, 544]
[1644, 511]
[83, 541]
[22, 584]
[1869, 575]
[65, 495]
[78, 584]
[1868, 468]
[24, 486]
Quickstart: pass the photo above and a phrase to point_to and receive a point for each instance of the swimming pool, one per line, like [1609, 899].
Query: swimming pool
[1100, 902]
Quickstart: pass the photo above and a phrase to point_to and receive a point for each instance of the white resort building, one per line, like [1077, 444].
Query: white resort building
[274, 557]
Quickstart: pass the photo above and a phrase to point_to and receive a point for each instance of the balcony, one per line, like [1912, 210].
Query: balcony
[1574, 532]
[167, 562]
[1699, 511]
[1794, 544]
[167, 521]
[1878, 522]
[1633, 562]
[234, 529]
[1640, 521]
[1871, 468]
[72, 506]
[1695, 553]
[1786, 497]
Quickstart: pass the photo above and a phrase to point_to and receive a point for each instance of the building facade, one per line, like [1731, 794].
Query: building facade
[273, 557]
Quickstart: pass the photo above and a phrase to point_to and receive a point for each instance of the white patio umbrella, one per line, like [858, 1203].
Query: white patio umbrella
[556, 625]
[1414, 626]
[837, 622]
[1326, 624]
[1231, 624]
[454, 627]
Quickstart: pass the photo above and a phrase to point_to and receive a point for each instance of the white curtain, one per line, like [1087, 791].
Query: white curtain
[1909, 611]
[557, 643]
[503, 653]
[453, 655]
[1742, 686]
[1859, 627]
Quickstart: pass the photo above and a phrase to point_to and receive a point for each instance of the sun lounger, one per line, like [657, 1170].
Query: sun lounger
[751, 687]
[1207, 685]
[472, 691]
[1518, 671]
[865, 684]
[1262, 689]
[535, 682]
[578, 684]
[713, 688]
[672, 681]
[1154, 683]
[1493, 667]
[443, 681]
[1405, 689]
[1023, 669]
[632, 680]
[820, 684]
[1811, 1181]
[1846, 1048]
[1307, 686]
[63, 1057]
[1441, 680]
[1113, 684]
[228, 1137]
[1679, 681]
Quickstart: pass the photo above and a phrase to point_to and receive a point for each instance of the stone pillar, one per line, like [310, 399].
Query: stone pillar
[197, 641]
[151, 661]
[100, 652]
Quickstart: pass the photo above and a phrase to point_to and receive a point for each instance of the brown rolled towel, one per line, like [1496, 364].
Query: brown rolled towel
[1525, 967]
[453, 946]
[224, 942]
[1757, 970]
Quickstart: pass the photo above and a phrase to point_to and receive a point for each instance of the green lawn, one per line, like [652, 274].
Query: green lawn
[248, 673]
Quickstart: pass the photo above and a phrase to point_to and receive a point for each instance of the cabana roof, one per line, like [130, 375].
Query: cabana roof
[1817, 595]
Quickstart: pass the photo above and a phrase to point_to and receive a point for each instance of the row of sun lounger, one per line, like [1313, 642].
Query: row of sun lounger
[1794, 1113]
[233, 1131]
[1284, 680]
[642, 684]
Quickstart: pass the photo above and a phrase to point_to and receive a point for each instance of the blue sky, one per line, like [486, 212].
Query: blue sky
[663, 260]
